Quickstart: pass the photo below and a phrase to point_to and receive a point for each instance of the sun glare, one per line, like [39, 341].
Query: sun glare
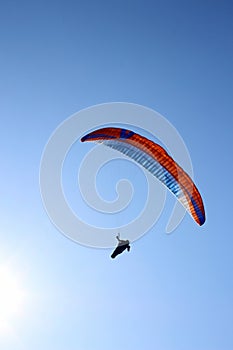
[11, 297]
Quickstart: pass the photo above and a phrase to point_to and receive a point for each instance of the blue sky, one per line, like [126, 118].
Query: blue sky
[171, 292]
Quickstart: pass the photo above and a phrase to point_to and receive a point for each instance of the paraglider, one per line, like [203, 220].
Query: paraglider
[157, 161]
[122, 246]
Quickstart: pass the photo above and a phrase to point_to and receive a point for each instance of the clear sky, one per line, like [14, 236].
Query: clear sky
[171, 292]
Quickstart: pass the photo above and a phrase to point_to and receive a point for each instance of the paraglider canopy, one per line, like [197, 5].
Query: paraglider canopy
[157, 161]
